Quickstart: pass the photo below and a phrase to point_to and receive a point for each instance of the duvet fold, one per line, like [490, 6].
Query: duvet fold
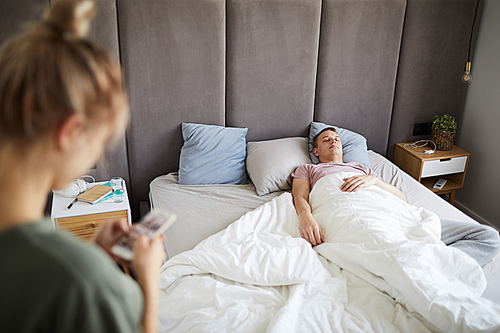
[382, 268]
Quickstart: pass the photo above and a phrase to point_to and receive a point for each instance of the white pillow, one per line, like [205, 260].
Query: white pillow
[270, 163]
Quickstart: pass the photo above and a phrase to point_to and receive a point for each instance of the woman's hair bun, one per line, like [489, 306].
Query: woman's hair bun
[71, 18]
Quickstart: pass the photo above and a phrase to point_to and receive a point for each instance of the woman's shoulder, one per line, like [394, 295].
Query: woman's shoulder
[38, 245]
[51, 271]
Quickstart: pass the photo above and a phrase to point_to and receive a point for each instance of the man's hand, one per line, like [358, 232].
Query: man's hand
[309, 228]
[111, 231]
[355, 183]
[311, 231]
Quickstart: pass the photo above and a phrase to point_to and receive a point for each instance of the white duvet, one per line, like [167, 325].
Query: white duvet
[381, 269]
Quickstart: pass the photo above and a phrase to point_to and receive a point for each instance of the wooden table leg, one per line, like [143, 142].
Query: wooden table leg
[452, 197]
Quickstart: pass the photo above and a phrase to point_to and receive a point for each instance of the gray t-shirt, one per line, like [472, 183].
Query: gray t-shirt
[52, 282]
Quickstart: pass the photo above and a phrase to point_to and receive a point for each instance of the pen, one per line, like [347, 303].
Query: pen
[72, 203]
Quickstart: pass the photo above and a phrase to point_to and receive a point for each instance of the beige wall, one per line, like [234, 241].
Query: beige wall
[479, 131]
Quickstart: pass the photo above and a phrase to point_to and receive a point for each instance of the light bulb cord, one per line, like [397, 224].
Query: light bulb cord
[472, 31]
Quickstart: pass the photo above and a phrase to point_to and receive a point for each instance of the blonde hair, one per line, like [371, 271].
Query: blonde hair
[51, 72]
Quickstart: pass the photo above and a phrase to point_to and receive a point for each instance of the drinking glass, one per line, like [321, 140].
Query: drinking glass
[117, 184]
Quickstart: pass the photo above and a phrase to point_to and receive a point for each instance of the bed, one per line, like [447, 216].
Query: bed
[200, 291]
[274, 66]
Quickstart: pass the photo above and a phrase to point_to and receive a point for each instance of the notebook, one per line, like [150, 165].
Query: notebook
[95, 194]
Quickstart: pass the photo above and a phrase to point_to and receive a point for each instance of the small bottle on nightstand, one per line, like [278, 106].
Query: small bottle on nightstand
[83, 219]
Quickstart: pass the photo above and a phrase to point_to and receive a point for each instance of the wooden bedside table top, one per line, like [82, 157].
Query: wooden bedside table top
[428, 168]
[438, 154]
[60, 202]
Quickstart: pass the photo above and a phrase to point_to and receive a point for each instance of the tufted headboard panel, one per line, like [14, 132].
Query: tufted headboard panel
[358, 64]
[105, 30]
[373, 66]
[173, 56]
[272, 53]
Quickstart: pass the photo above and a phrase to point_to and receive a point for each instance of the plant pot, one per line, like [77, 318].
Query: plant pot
[444, 140]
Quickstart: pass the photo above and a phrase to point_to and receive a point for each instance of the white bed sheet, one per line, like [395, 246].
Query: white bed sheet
[204, 210]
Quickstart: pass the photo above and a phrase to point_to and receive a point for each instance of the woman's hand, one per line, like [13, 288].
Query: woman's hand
[109, 234]
[355, 183]
[149, 256]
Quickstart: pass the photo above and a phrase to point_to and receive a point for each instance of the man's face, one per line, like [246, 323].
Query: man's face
[329, 147]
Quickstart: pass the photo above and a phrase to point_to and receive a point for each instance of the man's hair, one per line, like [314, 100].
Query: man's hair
[315, 139]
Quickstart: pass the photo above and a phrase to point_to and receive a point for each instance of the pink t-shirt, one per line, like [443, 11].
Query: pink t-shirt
[314, 172]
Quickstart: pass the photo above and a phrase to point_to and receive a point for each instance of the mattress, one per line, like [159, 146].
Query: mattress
[204, 210]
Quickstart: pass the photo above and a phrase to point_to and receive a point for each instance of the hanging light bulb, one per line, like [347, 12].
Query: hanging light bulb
[467, 77]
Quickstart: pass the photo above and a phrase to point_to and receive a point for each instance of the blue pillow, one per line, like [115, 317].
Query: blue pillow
[354, 147]
[212, 155]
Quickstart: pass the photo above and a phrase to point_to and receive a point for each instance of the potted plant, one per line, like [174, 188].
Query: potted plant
[443, 131]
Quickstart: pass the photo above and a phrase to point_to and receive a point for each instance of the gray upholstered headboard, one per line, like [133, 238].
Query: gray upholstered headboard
[373, 66]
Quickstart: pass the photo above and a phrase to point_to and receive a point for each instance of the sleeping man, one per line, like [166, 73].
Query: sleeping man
[480, 242]
[365, 226]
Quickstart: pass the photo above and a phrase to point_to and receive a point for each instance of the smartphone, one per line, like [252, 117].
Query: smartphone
[153, 223]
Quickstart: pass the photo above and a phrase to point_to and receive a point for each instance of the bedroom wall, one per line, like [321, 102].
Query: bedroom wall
[191, 74]
[479, 131]
[434, 48]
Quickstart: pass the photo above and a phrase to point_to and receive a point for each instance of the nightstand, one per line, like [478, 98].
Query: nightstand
[427, 168]
[83, 219]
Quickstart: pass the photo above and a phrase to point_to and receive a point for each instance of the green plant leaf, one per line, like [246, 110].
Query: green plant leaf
[444, 123]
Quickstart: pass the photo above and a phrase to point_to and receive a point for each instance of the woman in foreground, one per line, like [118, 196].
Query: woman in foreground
[61, 100]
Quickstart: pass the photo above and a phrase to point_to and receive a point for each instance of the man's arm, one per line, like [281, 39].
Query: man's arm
[355, 183]
[309, 228]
